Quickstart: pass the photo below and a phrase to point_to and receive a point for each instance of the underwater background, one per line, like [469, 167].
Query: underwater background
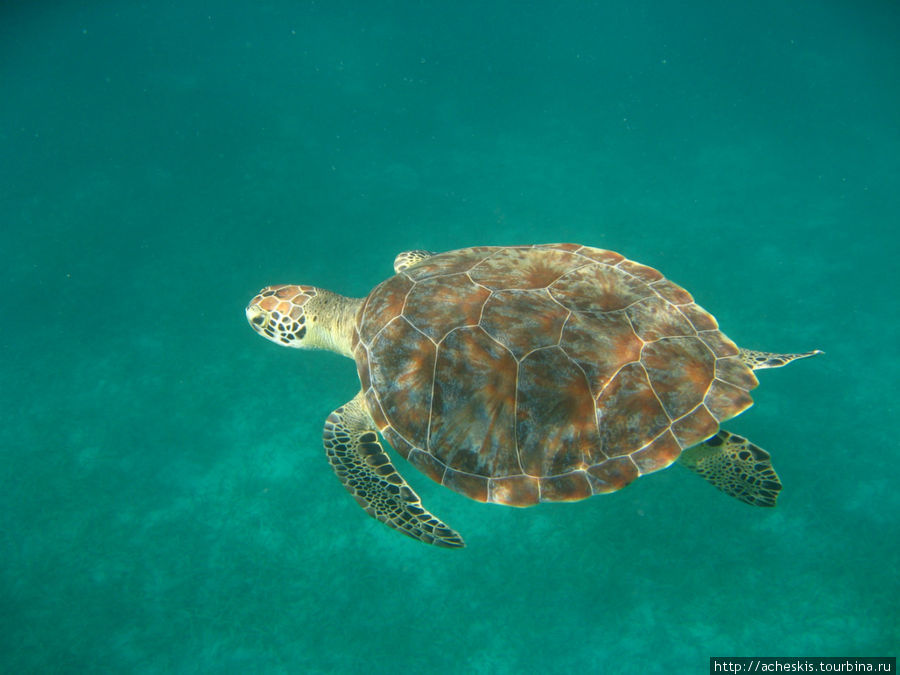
[165, 503]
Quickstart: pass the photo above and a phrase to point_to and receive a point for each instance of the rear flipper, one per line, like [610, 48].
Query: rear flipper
[736, 466]
[755, 359]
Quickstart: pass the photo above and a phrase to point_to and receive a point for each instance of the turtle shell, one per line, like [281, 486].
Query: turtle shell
[522, 374]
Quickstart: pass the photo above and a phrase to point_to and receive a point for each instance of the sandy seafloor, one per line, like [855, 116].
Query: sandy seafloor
[166, 505]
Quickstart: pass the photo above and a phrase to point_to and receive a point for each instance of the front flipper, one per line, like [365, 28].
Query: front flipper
[407, 259]
[358, 459]
[736, 466]
[755, 359]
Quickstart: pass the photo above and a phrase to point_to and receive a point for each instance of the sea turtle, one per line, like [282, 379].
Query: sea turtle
[525, 374]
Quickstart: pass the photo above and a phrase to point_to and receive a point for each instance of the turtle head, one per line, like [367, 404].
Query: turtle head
[279, 314]
[304, 317]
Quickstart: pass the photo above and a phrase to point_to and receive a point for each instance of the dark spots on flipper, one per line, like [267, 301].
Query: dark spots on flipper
[301, 333]
[744, 455]
[382, 469]
[370, 450]
[715, 441]
[368, 437]
[759, 453]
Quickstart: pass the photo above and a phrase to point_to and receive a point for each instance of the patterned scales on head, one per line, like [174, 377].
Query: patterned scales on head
[542, 373]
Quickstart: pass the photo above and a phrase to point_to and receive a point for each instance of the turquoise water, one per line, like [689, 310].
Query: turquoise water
[166, 505]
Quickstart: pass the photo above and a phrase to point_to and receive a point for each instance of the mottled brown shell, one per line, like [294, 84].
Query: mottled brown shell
[542, 373]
